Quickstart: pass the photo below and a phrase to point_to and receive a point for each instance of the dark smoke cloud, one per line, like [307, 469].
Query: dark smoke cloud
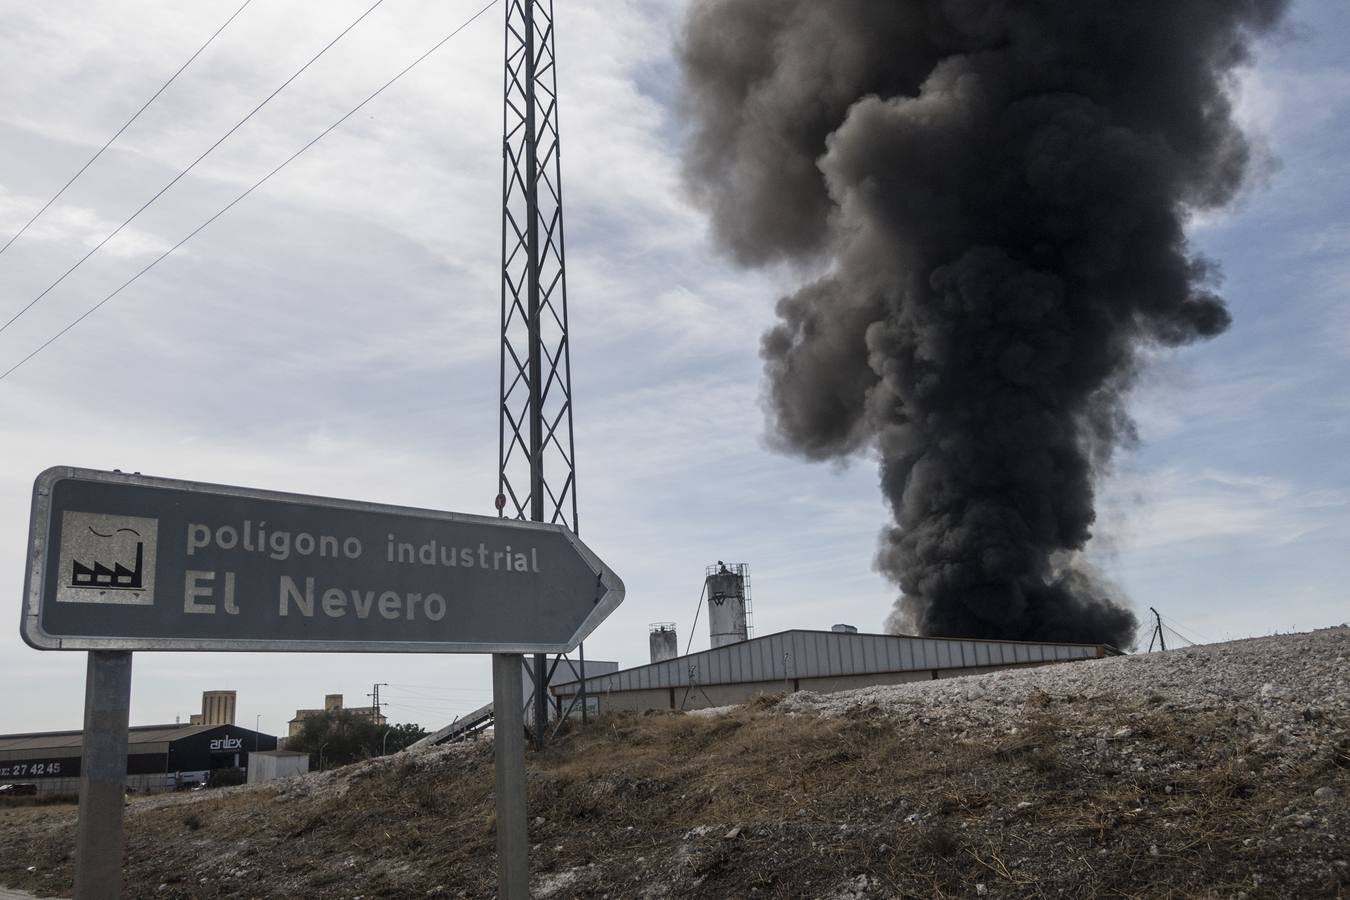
[998, 193]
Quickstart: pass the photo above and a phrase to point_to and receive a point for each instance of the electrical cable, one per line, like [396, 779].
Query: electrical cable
[697, 610]
[438, 698]
[155, 96]
[438, 711]
[424, 688]
[441, 704]
[432, 708]
[91, 310]
[1180, 636]
[1172, 626]
[190, 167]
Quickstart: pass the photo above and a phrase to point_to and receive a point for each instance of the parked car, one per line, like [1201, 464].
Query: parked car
[18, 790]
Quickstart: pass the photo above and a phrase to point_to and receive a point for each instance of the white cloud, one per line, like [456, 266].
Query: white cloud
[1207, 511]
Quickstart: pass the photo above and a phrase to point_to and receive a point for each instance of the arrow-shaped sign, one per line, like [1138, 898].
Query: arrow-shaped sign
[129, 562]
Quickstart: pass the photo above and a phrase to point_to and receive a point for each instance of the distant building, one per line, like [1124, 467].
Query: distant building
[159, 757]
[331, 703]
[272, 764]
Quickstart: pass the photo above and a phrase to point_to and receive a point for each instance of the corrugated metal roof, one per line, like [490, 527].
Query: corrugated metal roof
[822, 654]
[60, 740]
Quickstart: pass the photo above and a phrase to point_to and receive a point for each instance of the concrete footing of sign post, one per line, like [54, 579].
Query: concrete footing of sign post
[508, 735]
[103, 775]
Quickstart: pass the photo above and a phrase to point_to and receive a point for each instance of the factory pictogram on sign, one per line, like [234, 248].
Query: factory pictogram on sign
[107, 559]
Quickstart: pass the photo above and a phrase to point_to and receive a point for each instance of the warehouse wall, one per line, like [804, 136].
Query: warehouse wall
[705, 696]
[821, 654]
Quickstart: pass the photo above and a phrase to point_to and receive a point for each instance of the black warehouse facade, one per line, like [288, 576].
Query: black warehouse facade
[159, 757]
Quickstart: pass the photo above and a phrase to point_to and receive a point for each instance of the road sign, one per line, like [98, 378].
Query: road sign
[128, 562]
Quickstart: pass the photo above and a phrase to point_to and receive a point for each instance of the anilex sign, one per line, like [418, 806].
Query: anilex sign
[128, 562]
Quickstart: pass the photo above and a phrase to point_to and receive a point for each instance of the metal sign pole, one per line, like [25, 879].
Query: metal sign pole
[103, 775]
[508, 730]
[581, 648]
[540, 699]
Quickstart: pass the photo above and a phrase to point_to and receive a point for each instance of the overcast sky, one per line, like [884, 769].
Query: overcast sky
[336, 333]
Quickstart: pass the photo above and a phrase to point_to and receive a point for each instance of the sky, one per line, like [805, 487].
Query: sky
[336, 333]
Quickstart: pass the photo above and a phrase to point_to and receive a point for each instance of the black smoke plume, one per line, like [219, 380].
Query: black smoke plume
[998, 194]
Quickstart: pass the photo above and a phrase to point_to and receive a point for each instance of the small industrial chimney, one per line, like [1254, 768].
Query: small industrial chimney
[664, 642]
[728, 591]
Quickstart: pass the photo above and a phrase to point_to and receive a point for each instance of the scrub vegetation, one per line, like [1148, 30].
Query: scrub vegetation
[1122, 777]
[339, 737]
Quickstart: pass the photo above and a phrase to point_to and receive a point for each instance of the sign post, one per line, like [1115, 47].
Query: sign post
[121, 562]
[508, 736]
[103, 775]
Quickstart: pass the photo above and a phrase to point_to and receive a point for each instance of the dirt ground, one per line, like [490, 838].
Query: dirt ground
[1061, 794]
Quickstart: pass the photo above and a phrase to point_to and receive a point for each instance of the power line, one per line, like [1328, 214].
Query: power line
[18, 234]
[438, 687]
[1178, 634]
[421, 695]
[432, 710]
[697, 610]
[191, 166]
[435, 707]
[1172, 626]
[91, 310]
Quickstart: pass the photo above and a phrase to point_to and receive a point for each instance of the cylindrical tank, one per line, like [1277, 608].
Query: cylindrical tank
[844, 629]
[726, 606]
[664, 642]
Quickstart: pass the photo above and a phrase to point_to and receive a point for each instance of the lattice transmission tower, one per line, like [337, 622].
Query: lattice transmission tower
[537, 476]
[536, 451]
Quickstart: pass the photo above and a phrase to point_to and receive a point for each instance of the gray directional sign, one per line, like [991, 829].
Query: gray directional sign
[134, 563]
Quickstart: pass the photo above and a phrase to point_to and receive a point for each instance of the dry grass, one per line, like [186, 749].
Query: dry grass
[756, 803]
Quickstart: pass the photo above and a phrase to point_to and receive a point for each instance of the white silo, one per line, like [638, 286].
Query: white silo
[665, 644]
[728, 589]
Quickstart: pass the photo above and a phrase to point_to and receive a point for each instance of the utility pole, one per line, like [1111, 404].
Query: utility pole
[536, 453]
[374, 696]
[1157, 631]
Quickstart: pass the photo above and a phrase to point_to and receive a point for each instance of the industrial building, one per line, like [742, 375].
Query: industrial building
[332, 703]
[807, 660]
[739, 668]
[159, 757]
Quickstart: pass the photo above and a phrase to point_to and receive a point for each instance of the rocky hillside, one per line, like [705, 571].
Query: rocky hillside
[1217, 771]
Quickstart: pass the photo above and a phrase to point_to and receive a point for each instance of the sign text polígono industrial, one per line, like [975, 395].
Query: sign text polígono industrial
[135, 563]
